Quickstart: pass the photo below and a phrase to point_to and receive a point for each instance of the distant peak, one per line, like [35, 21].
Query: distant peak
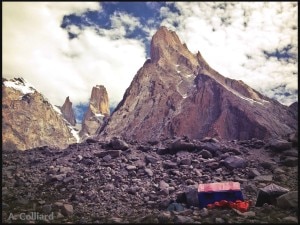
[100, 86]
[161, 41]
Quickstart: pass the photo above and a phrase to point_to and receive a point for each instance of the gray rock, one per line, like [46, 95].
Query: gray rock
[212, 147]
[169, 165]
[198, 172]
[109, 187]
[116, 220]
[59, 215]
[290, 219]
[163, 185]
[67, 210]
[205, 154]
[112, 153]
[87, 162]
[47, 209]
[219, 220]
[68, 179]
[288, 200]
[175, 207]
[213, 165]
[183, 219]
[290, 161]
[164, 191]
[79, 157]
[191, 194]
[180, 145]
[23, 201]
[185, 161]
[280, 145]
[210, 139]
[100, 154]
[253, 173]
[294, 138]
[164, 217]
[65, 169]
[151, 159]
[132, 190]
[149, 172]
[233, 162]
[131, 167]
[4, 205]
[140, 164]
[278, 171]
[292, 152]
[268, 165]
[264, 178]
[107, 158]
[245, 214]
[118, 144]
[204, 212]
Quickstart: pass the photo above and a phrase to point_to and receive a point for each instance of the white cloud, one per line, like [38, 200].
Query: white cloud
[121, 19]
[230, 36]
[226, 33]
[38, 49]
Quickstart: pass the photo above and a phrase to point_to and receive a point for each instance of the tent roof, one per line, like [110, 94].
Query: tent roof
[224, 186]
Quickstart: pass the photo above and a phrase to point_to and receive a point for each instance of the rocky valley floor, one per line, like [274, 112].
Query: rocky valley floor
[130, 182]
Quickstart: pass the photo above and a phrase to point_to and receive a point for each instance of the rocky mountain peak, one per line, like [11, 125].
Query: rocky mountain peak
[68, 112]
[177, 93]
[99, 100]
[167, 47]
[96, 113]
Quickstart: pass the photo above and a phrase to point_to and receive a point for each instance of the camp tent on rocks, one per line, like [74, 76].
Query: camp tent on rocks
[215, 192]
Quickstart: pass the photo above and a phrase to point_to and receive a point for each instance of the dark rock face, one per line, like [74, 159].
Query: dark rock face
[294, 108]
[68, 112]
[176, 93]
[97, 112]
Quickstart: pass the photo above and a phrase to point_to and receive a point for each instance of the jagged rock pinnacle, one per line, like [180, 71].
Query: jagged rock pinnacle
[68, 112]
[97, 111]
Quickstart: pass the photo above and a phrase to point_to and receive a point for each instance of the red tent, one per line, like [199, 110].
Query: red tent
[215, 192]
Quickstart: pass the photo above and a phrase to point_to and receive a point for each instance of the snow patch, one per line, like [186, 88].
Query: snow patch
[184, 96]
[248, 99]
[56, 109]
[75, 133]
[20, 84]
[73, 130]
[99, 115]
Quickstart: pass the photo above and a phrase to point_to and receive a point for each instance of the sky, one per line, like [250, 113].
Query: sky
[65, 48]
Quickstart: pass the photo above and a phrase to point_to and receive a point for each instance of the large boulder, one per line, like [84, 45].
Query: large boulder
[294, 138]
[233, 162]
[118, 144]
[191, 194]
[288, 200]
[290, 161]
[279, 145]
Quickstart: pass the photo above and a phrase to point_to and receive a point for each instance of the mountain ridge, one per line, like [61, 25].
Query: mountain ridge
[29, 120]
[174, 81]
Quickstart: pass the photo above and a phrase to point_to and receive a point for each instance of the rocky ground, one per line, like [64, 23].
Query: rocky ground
[129, 182]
